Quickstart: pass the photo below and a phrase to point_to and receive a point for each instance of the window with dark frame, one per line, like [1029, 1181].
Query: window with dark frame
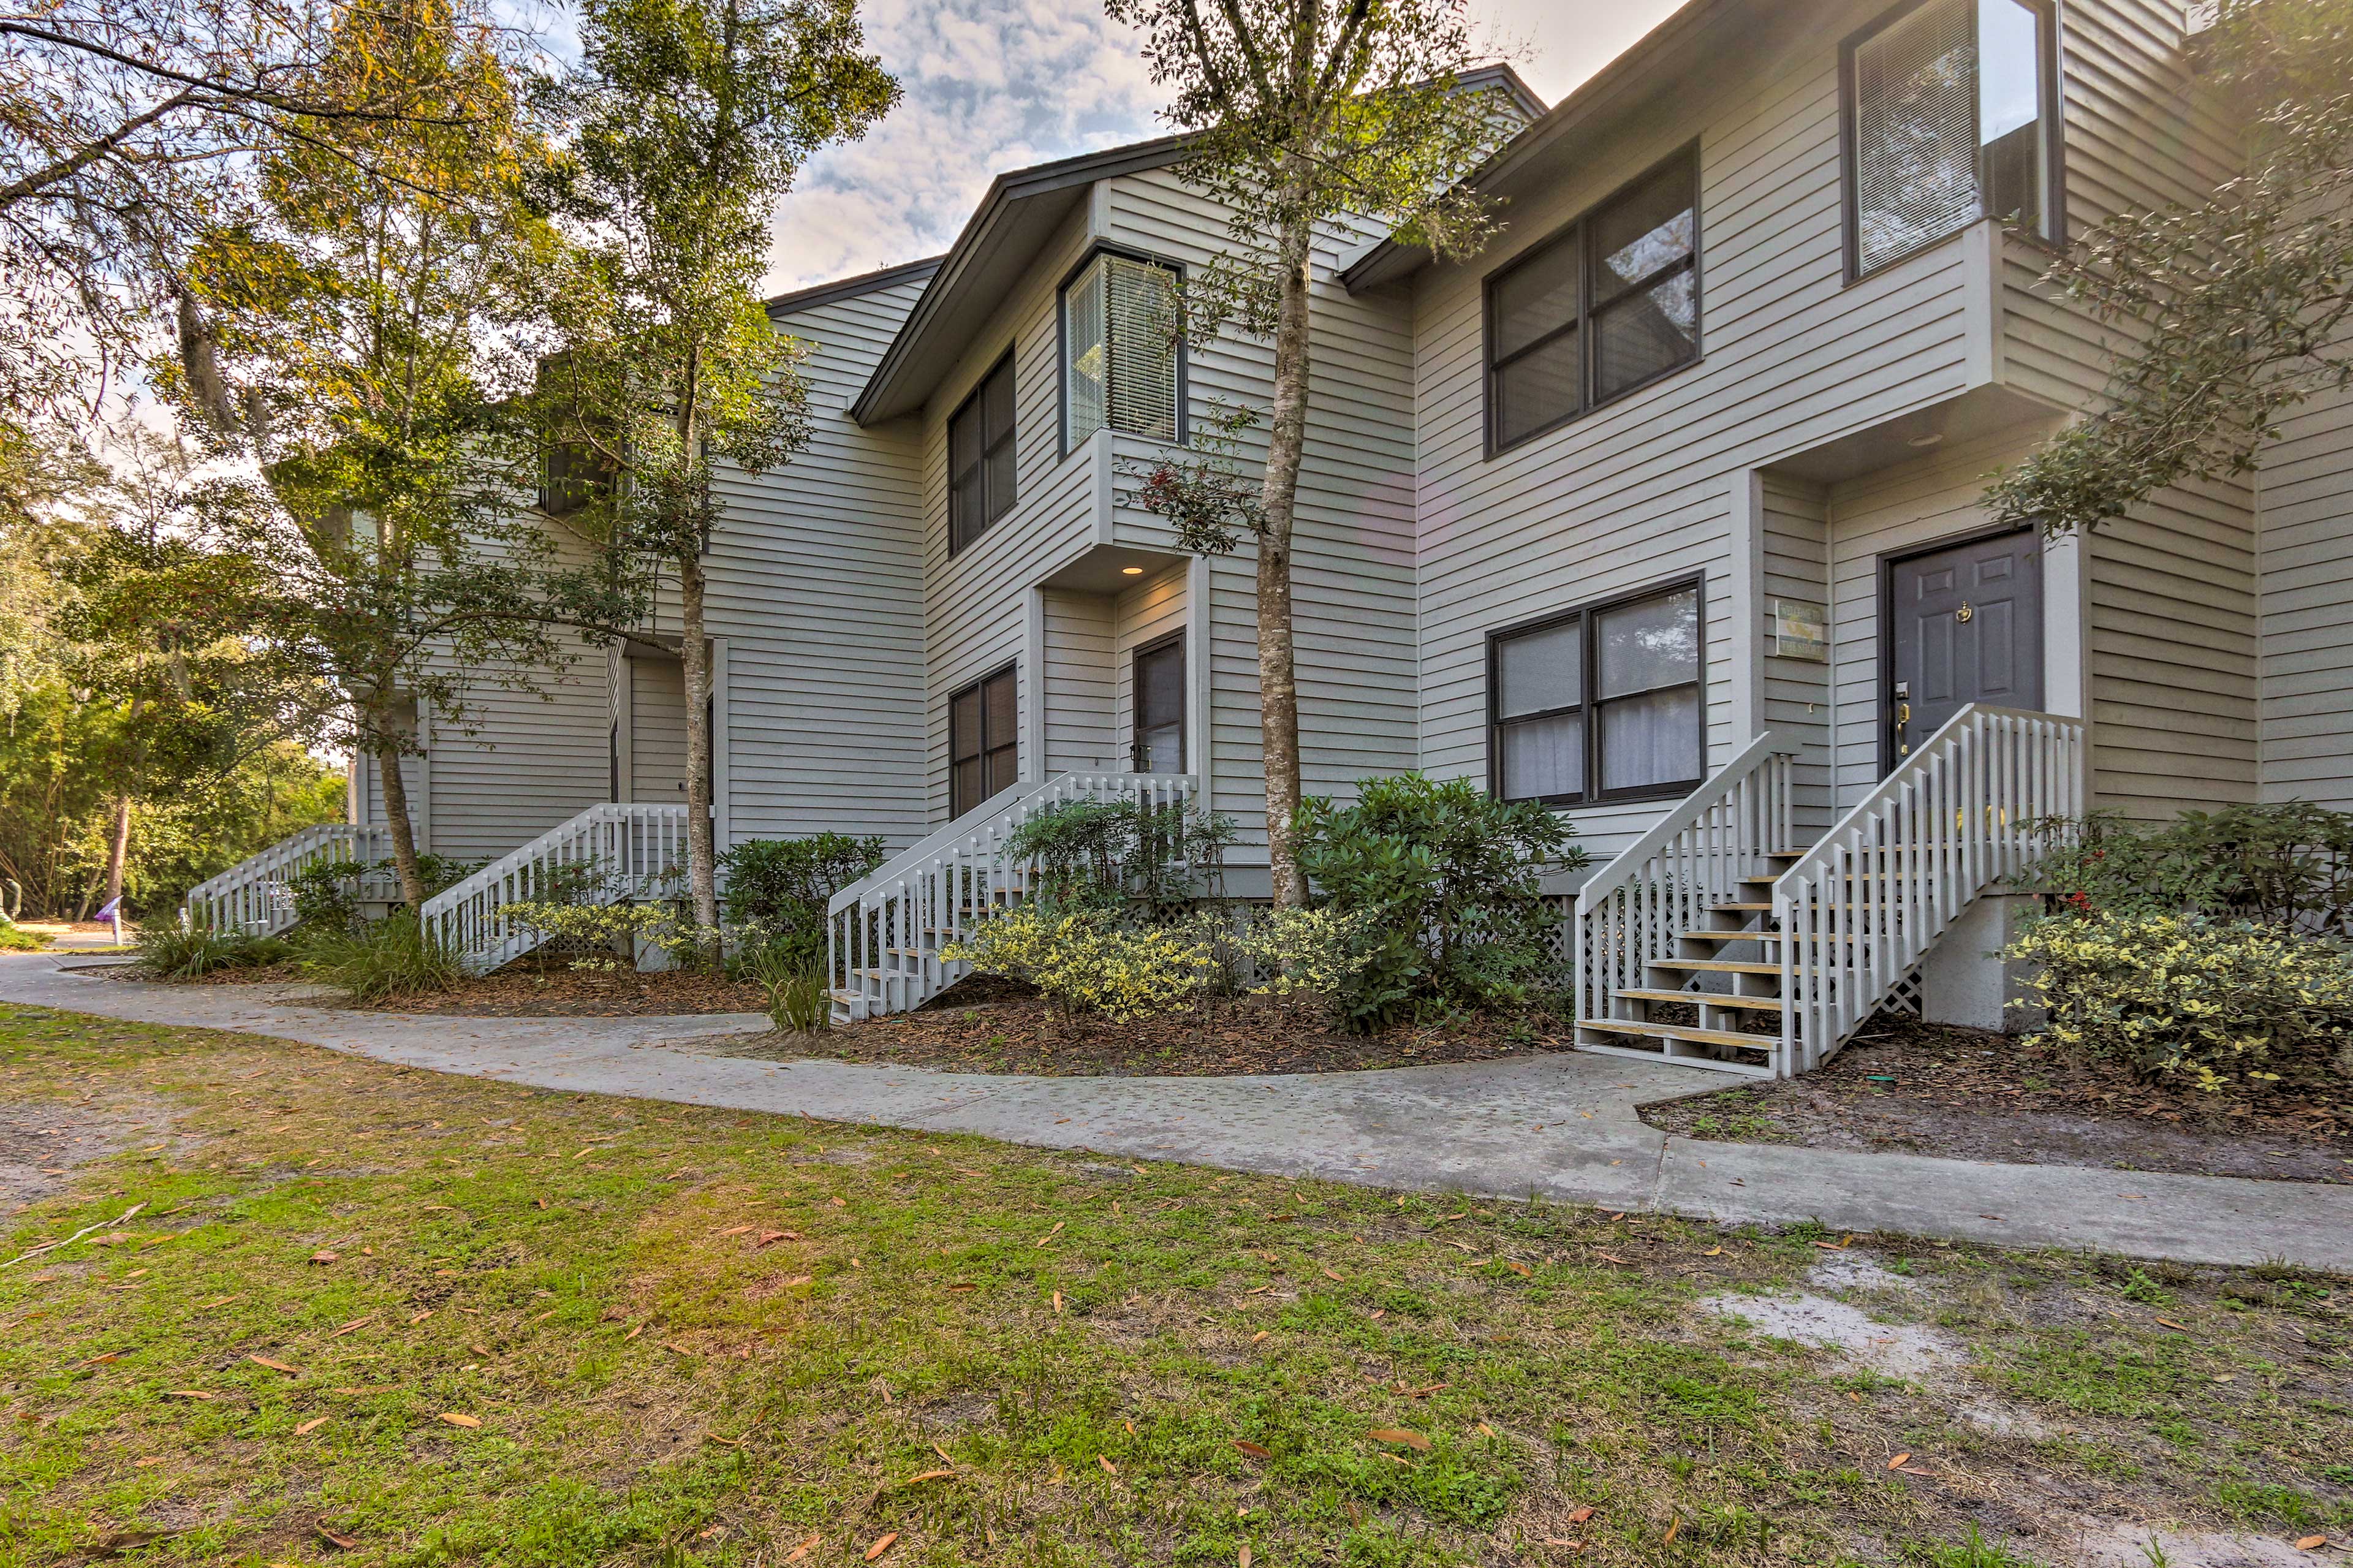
[1608, 305]
[572, 475]
[981, 457]
[1952, 115]
[1599, 703]
[984, 740]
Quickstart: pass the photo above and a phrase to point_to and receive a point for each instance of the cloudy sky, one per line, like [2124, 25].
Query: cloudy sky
[994, 85]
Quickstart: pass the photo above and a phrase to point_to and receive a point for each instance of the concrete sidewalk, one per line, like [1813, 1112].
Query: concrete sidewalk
[1563, 1127]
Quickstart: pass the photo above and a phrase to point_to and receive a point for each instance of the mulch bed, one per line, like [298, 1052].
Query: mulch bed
[1925, 1088]
[557, 991]
[974, 1027]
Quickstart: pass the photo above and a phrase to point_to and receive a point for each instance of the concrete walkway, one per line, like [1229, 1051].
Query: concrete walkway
[1563, 1127]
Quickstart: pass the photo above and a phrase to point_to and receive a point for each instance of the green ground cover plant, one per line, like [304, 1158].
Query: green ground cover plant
[324, 1309]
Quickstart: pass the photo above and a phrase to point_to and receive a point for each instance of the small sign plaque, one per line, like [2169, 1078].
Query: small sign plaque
[1801, 629]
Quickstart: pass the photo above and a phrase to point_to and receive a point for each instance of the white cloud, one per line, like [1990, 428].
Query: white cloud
[993, 85]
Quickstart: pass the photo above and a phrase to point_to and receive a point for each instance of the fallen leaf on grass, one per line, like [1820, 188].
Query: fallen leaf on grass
[1058, 1300]
[1713, 1252]
[274, 1365]
[1052, 1234]
[216, 1301]
[1672, 1526]
[1413, 1440]
[189, 1394]
[2169, 1323]
[881, 1546]
[804, 1549]
[1245, 1558]
[2312, 1543]
[964, 1285]
[770, 1238]
[355, 1322]
[454, 1419]
[943, 1453]
[927, 1476]
[1331, 1274]
[149, 1459]
[337, 1538]
[733, 1230]
[674, 1345]
[1258, 1336]
[1518, 1268]
[633, 1333]
[1899, 1461]
[1109, 1469]
[1255, 1450]
[312, 1425]
[1609, 1257]
[420, 1317]
[1580, 1515]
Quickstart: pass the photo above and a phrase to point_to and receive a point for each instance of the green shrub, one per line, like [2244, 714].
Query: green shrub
[1298, 955]
[1084, 961]
[168, 951]
[2210, 1004]
[1125, 854]
[2287, 865]
[582, 932]
[326, 892]
[15, 937]
[798, 1001]
[383, 960]
[777, 889]
[1448, 876]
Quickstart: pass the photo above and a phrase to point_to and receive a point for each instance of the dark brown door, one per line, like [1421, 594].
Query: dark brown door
[1964, 625]
[1157, 743]
[983, 741]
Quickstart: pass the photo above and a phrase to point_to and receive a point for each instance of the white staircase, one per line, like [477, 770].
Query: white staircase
[883, 933]
[254, 896]
[636, 852]
[1718, 940]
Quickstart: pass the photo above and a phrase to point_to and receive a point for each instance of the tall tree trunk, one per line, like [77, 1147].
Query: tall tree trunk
[118, 850]
[394, 790]
[701, 851]
[1278, 682]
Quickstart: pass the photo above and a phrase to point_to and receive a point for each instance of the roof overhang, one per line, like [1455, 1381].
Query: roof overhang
[1016, 218]
[850, 288]
[1547, 151]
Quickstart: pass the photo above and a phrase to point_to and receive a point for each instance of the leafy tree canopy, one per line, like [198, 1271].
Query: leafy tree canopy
[2239, 309]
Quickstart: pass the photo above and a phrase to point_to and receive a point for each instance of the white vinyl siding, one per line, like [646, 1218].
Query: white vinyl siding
[2306, 563]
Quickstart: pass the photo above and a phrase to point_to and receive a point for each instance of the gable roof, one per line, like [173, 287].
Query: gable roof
[1547, 151]
[1014, 220]
[850, 288]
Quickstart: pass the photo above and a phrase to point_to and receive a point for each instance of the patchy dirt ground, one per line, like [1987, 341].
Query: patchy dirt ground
[44, 1143]
[983, 1030]
[1927, 1090]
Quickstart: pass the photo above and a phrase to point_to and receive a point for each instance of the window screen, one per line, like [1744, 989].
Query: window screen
[1604, 307]
[1952, 106]
[1120, 350]
[983, 741]
[981, 473]
[1599, 702]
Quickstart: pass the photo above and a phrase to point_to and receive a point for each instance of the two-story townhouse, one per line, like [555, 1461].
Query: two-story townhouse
[1665, 511]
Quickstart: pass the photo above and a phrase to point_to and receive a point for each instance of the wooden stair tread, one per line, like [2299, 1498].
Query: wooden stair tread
[1684, 1032]
[1732, 936]
[1732, 1065]
[1701, 998]
[1716, 966]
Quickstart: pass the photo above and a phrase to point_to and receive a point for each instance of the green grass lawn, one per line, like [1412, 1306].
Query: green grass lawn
[372, 1315]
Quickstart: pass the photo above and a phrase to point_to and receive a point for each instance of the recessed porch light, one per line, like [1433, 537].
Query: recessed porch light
[1131, 571]
[1930, 439]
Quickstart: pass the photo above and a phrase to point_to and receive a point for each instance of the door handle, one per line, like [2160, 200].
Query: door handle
[1903, 714]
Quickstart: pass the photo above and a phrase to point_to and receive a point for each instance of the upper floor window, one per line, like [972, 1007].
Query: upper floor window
[980, 458]
[573, 474]
[1602, 703]
[1952, 110]
[1121, 355]
[1608, 305]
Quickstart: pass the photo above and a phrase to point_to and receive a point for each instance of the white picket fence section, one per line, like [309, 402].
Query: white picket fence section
[1967, 810]
[883, 933]
[1631, 914]
[254, 895]
[633, 852]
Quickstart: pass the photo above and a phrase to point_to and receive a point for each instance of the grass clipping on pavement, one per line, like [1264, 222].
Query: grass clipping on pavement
[377, 1315]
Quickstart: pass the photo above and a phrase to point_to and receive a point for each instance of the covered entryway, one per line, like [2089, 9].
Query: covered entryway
[1964, 625]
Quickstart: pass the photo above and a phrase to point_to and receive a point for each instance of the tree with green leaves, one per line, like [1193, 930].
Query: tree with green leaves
[1305, 114]
[361, 346]
[692, 118]
[2237, 309]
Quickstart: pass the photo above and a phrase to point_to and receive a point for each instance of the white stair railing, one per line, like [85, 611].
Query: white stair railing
[1963, 812]
[608, 854]
[1630, 913]
[255, 896]
[883, 933]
